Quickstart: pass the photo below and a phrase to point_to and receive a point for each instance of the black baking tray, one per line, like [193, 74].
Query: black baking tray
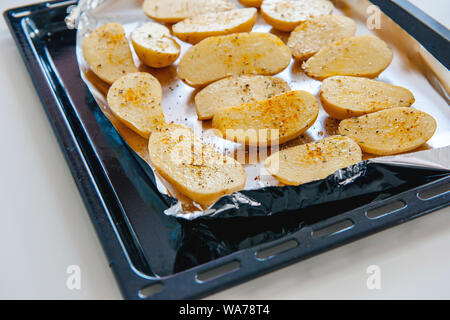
[154, 256]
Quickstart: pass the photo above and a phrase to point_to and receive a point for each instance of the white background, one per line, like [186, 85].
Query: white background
[44, 225]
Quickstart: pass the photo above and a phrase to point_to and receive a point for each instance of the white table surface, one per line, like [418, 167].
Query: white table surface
[45, 228]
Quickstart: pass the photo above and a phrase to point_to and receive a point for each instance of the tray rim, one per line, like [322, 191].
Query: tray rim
[129, 281]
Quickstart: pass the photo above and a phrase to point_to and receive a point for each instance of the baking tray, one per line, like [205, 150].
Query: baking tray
[126, 207]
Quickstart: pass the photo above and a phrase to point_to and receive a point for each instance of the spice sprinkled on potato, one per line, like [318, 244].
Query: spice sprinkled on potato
[267, 122]
[345, 97]
[197, 28]
[172, 11]
[313, 161]
[108, 53]
[154, 45]
[285, 15]
[390, 131]
[237, 90]
[136, 100]
[194, 168]
[242, 53]
[362, 56]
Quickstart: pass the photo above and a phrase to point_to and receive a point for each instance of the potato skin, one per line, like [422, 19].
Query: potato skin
[285, 15]
[390, 131]
[195, 29]
[154, 45]
[107, 52]
[193, 168]
[243, 53]
[344, 97]
[313, 161]
[135, 99]
[173, 11]
[236, 90]
[285, 116]
[362, 56]
[311, 35]
[251, 3]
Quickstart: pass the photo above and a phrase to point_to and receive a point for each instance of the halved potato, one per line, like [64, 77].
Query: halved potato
[172, 11]
[363, 56]
[390, 131]
[345, 97]
[135, 99]
[108, 53]
[268, 122]
[242, 53]
[154, 45]
[197, 28]
[311, 35]
[251, 3]
[285, 15]
[237, 90]
[313, 161]
[195, 169]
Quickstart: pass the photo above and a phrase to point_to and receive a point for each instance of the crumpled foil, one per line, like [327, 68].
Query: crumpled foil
[263, 195]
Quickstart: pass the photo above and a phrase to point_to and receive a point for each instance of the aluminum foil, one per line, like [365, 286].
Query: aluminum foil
[413, 67]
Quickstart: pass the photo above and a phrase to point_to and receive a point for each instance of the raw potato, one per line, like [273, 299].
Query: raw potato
[154, 45]
[256, 123]
[390, 131]
[311, 35]
[363, 56]
[285, 15]
[313, 161]
[195, 169]
[242, 53]
[237, 90]
[136, 100]
[195, 29]
[108, 53]
[345, 97]
[251, 3]
[172, 11]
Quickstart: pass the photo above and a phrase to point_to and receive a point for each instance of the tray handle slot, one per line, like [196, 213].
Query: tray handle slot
[61, 4]
[150, 290]
[274, 250]
[386, 209]
[434, 192]
[333, 229]
[20, 14]
[219, 271]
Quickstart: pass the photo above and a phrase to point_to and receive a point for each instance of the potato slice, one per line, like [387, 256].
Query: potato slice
[311, 35]
[195, 169]
[242, 53]
[267, 122]
[313, 161]
[237, 90]
[154, 45]
[197, 28]
[251, 3]
[345, 97]
[285, 15]
[136, 100]
[172, 11]
[363, 56]
[390, 131]
[108, 53]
